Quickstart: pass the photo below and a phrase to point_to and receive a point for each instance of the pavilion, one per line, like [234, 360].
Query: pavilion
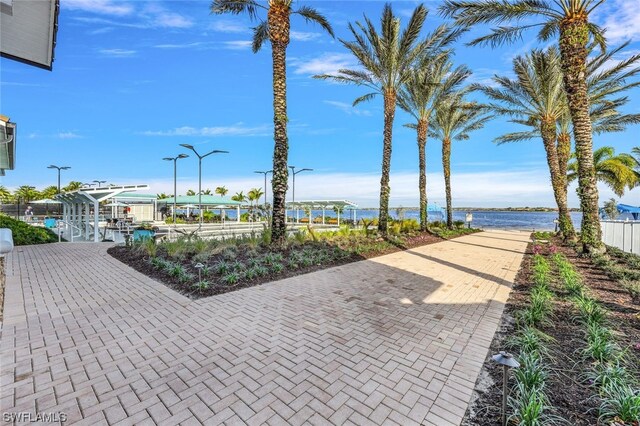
[207, 201]
[323, 205]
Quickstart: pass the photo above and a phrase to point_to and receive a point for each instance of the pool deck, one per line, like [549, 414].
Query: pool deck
[399, 339]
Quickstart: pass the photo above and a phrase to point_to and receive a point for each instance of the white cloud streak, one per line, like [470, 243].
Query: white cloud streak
[235, 130]
[621, 18]
[348, 108]
[327, 63]
[117, 53]
[103, 7]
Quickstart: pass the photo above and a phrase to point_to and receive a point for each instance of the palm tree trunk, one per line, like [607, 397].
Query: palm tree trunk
[564, 152]
[446, 167]
[279, 26]
[558, 184]
[574, 36]
[385, 190]
[423, 125]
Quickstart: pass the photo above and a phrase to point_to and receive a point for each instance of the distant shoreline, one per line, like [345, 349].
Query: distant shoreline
[483, 209]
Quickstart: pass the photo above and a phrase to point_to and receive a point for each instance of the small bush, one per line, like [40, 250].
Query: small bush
[633, 288]
[277, 268]
[201, 285]
[621, 402]
[25, 234]
[222, 267]
[231, 278]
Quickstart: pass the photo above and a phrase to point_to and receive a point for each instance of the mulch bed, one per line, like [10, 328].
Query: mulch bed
[567, 389]
[141, 263]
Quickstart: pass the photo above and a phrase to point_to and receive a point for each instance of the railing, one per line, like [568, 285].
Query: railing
[624, 235]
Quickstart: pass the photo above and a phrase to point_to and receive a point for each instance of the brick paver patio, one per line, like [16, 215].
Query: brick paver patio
[399, 339]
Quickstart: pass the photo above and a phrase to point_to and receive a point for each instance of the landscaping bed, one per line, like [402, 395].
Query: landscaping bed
[233, 264]
[570, 362]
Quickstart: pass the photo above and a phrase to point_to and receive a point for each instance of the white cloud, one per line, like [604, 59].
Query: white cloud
[621, 18]
[104, 7]
[348, 108]
[237, 44]
[327, 63]
[228, 27]
[196, 44]
[172, 20]
[303, 36]
[118, 53]
[68, 135]
[235, 130]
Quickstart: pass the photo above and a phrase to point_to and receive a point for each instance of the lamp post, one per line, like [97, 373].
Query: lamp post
[294, 173]
[87, 185]
[59, 169]
[175, 181]
[99, 182]
[265, 183]
[507, 361]
[200, 157]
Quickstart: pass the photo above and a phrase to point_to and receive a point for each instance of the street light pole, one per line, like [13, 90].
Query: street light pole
[59, 169]
[99, 182]
[175, 181]
[294, 173]
[265, 184]
[200, 157]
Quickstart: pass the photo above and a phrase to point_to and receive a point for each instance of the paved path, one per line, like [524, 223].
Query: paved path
[399, 339]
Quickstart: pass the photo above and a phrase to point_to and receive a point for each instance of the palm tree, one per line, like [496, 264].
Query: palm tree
[454, 119]
[635, 154]
[190, 192]
[254, 196]
[162, 196]
[206, 192]
[387, 60]
[535, 98]
[615, 171]
[5, 194]
[26, 193]
[570, 20]
[49, 192]
[222, 191]
[72, 186]
[239, 197]
[277, 30]
[428, 85]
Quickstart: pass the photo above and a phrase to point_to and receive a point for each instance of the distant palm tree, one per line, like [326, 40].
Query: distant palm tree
[386, 58]
[162, 196]
[615, 171]
[254, 196]
[568, 19]
[635, 151]
[206, 192]
[49, 192]
[26, 193]
[190, 192]
[430, 83]
[455, 119]
[277, 30]
[222, 191]
[239, 197]
[5, 194]
[73, 186]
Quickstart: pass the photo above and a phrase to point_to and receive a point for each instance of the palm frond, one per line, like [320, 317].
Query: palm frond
[260, 35]
[312, 15]
[236, 7]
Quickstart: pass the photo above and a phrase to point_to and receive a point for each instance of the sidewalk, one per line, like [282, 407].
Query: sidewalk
[399, 339]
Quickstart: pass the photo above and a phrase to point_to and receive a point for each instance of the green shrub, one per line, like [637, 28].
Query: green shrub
[222, 267]
[621, 402]
[201, 285]
[25, 234]
[231, 278]
[633, 288]
[459, 224]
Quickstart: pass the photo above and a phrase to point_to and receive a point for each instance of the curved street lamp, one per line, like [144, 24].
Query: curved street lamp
[294, 173]
[59, 169]
[200, 157]
[265, 173]
[99, 182]
[175, 181]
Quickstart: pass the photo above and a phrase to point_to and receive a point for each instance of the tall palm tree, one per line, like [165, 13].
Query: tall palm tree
[568, 19]
[190, 192]
[535, 98]
[222, 191]
[276, 29]
[74, 185]
[254, 196]
[206, 192]
[386, 59]
[455, 119]
[615, 171]
[428, 85]
[635, 154]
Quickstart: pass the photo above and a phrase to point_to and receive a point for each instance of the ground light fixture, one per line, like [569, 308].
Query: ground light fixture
[507, 361]
[199, 267]
[294, 173]
[265, 173]
[60, 168]
[175, 181]
[200, 157]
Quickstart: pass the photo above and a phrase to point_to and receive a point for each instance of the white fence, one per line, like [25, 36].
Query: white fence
[623, 235]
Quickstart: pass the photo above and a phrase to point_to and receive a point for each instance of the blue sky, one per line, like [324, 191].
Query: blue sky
[134, 79]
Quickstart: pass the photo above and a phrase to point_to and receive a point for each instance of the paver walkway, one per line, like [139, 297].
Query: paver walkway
[399, 339]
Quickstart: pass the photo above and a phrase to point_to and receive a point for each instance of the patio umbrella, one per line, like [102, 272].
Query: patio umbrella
[46, 202]
[188, 206]
[116, 204]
